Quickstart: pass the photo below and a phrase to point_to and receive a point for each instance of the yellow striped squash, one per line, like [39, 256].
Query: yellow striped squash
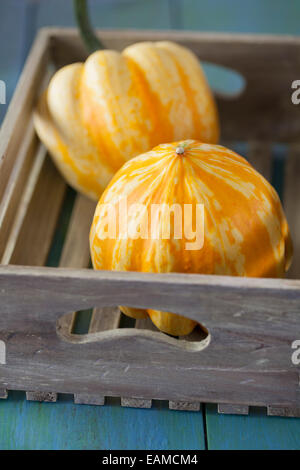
[244, 227]
[96, 115]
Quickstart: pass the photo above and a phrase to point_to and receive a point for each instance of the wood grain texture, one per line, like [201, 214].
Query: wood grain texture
[132, 402]
[145, 324]
[228, 408]
[16, 183]
[50, 397]
[31, 235]
[135, 402]
[104, 319]
[247, 360]
[35, 222]
[184, 405]
[87, 399]
[283, 411]
[292, 205]
[76, 250]
[77, 236]
[20, 109]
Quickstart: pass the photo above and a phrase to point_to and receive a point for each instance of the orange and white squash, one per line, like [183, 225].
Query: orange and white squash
[96, 115]
[245, 230]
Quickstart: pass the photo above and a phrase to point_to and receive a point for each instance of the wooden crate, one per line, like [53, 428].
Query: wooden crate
[252, 323]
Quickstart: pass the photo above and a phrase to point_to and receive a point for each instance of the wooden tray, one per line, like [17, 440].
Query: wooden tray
[252, 323]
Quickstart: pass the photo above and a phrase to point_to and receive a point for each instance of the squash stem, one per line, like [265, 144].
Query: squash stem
[91, 41]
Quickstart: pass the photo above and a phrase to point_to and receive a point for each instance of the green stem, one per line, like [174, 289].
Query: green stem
[89, 38]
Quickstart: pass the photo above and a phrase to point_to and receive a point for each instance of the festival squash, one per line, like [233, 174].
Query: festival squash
[96, 115]
[244, 229]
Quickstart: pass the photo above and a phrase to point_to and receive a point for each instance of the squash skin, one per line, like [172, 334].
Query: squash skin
[95, 116]
[245, 231]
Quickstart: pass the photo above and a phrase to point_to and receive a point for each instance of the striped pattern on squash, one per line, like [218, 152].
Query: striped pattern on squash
[245, 230]
[97, 115]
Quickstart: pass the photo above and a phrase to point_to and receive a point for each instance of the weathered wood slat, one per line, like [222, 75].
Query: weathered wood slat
[147, 324]
[103, 319]
[131, 402]
[259, 155]
[41, 396]
[89, 399]
[291, 201]
[15, 185]
[233, 409]
[20, 109]
[247, 359]
[195, 335]
[31, 182]
[35, 221]
[12, 188]
[135, 402]
[283, 411]
[76, 251]
[78, 236]
[184, 405]
[31, 237]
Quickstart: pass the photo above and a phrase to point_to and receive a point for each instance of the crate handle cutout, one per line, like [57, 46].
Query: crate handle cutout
[63, 331]
[225, 82]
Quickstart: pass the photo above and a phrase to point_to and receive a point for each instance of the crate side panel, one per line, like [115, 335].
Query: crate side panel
[264, 111]
[246, 361]
[21, 105]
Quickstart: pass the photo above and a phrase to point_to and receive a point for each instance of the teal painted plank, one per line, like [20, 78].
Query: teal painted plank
[108, 13]
[61, 229]
[254, 432]
[256, 16]
[63, 425]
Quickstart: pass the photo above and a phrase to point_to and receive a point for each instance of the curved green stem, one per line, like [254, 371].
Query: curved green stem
[86, 30]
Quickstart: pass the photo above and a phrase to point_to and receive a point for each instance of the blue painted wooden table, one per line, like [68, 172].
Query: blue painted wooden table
[64, 425]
